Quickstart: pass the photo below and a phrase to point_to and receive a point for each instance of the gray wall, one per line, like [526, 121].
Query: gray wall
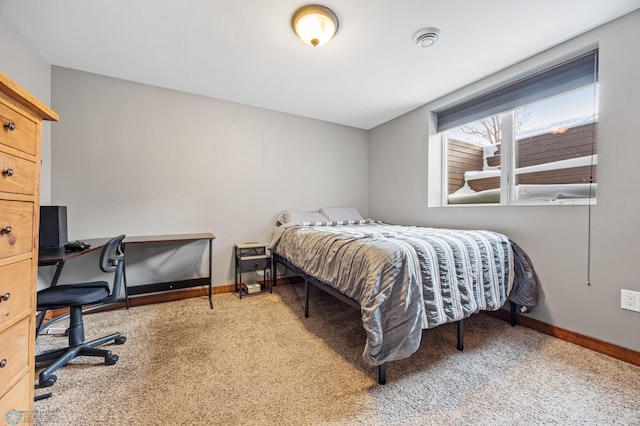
[24, 65]
[555, 237]
[140, 160]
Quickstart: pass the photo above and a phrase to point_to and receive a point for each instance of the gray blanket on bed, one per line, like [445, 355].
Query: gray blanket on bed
[405, 278]
[527, 283]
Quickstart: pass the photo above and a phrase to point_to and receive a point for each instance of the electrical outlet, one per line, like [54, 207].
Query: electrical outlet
[630, 300]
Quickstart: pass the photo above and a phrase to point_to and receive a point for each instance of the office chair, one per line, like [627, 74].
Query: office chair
[73, 296]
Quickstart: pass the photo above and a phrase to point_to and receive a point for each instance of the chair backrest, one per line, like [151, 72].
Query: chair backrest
[112, 260]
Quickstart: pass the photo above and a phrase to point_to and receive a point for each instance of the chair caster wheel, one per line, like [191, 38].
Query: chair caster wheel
[120, 340]
[111, 360]
[49, 381]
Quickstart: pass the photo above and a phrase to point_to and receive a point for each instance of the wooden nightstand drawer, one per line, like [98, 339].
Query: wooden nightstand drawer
[15, 290]
[16, 175]
[16, 228]
[14, 359]
[17, 131]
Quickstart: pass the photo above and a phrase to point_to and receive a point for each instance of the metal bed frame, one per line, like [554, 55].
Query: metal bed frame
[308, 279]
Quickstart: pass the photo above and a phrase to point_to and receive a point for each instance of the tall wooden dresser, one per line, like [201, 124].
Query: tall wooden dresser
[21, 118]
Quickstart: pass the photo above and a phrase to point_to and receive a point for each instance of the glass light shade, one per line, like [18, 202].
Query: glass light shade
[315, 24]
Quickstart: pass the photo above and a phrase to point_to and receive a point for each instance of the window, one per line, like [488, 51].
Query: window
[529, 142]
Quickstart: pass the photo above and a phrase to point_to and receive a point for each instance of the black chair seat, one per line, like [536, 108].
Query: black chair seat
[72, 295]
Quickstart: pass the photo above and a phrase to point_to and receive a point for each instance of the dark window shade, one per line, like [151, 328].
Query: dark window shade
[570, 75]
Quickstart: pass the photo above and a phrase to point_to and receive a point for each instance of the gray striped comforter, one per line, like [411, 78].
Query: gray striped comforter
[404, 278]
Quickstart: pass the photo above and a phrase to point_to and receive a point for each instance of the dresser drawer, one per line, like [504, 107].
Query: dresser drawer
[16, 405]
[17, 131]
[17, 175]
[14, 358]
[15, 290]
[16, 227]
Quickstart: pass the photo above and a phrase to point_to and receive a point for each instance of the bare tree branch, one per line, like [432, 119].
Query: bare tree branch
[488, 131]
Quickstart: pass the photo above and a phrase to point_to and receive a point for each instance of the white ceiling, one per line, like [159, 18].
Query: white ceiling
[245, 50]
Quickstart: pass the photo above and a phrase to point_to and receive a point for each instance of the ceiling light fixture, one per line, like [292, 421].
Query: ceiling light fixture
[427, 37]
[315, 24]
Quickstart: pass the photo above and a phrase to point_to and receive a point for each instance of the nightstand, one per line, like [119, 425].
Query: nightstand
[252, 257]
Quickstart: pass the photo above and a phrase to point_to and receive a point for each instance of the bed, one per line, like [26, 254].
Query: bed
[403, 278]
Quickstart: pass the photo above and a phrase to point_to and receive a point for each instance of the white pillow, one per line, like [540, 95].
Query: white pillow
[341, 214]
[298, 216]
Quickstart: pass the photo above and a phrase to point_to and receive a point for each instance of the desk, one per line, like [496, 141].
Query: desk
[57, 256]
[168, 239]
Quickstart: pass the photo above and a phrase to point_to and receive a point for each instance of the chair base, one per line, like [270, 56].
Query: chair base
[63, 356]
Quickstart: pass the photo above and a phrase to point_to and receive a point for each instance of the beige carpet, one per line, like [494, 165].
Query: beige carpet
[257, 361]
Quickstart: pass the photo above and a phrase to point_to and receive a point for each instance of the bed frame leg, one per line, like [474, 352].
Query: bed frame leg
[306, 298]
[513, 317]
[460, 335]
[382, 373]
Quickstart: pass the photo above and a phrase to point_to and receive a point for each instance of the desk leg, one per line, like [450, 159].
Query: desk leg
[210, 277]
[39, 321]
[56, 274]
[54, 282]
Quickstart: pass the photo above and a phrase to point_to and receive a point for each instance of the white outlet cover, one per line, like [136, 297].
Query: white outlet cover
[630, 300]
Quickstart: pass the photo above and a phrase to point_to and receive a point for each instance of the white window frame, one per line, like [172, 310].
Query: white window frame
[507, 175]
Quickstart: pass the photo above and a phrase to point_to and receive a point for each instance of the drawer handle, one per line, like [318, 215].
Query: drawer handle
[11, 126]
[8, 172]
[3, 363]
[6, 230]
[5, 297]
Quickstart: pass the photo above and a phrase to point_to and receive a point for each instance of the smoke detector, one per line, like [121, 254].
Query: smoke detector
[427, 37]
